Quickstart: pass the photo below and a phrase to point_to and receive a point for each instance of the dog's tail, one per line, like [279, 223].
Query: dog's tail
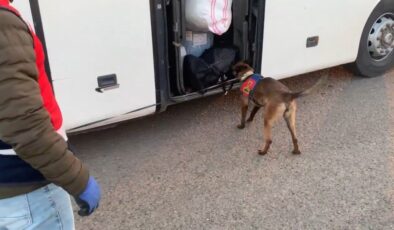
[317, 85]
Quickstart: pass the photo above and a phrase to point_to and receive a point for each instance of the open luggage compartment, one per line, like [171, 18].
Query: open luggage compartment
[242, 36]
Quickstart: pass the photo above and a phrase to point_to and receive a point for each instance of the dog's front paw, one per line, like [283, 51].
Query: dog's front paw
[262, 153]
[241, 126]
[296, 152]
[249, 120]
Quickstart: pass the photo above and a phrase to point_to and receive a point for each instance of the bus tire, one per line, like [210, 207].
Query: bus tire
[376, 50]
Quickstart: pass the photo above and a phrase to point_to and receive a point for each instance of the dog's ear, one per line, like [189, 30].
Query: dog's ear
[239, 67]
[243, 62]
[248, 62]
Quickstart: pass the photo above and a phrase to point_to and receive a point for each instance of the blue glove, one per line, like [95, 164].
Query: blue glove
[89, 200]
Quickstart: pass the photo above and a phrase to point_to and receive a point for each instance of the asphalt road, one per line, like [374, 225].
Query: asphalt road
[190, 168]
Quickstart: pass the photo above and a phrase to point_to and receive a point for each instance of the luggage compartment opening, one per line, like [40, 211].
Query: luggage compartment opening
[183, 41]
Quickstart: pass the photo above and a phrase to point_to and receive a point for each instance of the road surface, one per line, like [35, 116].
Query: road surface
[190, 168]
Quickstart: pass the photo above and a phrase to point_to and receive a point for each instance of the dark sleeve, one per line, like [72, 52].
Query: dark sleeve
[24, 122]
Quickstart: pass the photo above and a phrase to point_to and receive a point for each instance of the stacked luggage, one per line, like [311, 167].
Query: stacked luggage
[204, 65]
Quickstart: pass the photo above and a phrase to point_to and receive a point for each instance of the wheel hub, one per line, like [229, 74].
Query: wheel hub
[381, 38]
[388, 39]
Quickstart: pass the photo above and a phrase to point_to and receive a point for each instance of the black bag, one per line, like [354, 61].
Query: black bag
[214, 64]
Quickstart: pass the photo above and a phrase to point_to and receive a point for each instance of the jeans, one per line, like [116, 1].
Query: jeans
[46, 208]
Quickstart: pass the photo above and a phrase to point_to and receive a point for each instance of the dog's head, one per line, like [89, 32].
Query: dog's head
[241, 69]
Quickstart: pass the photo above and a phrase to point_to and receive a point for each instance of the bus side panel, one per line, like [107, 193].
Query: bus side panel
[115, 120]
[288, 24]
[88, 39]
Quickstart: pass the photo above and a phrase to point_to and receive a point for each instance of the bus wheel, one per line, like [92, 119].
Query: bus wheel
[376, 55]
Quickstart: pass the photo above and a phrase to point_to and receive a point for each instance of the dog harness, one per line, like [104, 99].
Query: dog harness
[249, 85]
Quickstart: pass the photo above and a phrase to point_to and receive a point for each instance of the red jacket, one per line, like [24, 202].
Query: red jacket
[46, 89]
[30, 117]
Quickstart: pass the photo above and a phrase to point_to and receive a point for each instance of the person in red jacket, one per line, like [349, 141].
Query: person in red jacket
[38, 171]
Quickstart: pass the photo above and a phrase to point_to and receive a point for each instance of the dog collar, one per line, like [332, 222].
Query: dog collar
[246, 75]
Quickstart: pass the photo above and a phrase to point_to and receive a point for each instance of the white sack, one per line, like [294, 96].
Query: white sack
[208, 15]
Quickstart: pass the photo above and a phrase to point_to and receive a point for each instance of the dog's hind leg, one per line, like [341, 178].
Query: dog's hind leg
[253, 113]
[290, 118]
[270, 116]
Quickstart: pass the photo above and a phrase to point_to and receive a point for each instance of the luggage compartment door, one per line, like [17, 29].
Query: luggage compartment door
[101, 58]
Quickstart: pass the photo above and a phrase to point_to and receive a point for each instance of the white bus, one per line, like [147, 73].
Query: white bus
[115, 60]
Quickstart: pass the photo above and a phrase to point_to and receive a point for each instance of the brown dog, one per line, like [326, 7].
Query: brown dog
[276, 99]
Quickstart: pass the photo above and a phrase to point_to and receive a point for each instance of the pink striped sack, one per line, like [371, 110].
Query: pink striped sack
[208, 15]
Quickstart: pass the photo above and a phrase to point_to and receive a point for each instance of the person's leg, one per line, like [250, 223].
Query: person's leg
[51, 208]
[46, 208]
[15, 213]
